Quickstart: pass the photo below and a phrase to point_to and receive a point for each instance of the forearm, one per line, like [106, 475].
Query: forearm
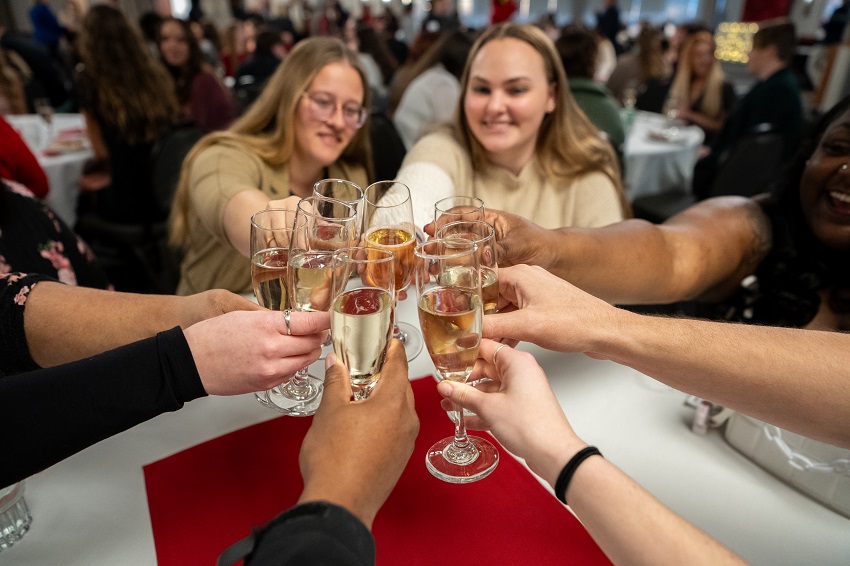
[64, 324]
[237, 218]
[795, 379]
[631, 526]
[71, 407]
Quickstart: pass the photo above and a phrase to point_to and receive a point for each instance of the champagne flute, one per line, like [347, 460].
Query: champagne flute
[448, 284]
[451, 209]
[484, 237]
[363, 288]
[349, 193]
[388, 225]
[271, 235]
[328, 225]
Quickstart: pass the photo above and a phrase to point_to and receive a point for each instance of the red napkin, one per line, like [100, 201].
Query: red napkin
[207, 497]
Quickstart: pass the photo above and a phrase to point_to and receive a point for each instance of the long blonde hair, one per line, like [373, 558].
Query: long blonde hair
[266, 129]
[568, 145]
[712, 101]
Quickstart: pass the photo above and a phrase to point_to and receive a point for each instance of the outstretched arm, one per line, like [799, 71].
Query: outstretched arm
[704, 252]
[628, 523]
[796, 379]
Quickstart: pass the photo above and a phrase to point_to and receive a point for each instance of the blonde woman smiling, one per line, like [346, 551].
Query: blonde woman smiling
[518, 140]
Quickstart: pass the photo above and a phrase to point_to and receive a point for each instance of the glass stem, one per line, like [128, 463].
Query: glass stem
[461, 441]
[397, 333]
[298, 387]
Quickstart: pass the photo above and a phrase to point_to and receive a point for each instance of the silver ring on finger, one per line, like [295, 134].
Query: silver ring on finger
[286, 319]
[496, 353]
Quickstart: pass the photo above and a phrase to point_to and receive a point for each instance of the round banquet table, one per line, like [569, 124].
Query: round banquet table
[653, 165]
[92, 508]
[63, 170]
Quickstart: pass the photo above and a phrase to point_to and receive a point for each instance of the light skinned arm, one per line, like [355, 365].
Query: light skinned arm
[794, 378]
[64, 323]
[238, 212]
[701, 253]
[629, 524]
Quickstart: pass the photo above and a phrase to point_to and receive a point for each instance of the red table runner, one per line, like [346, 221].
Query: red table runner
[204, 498]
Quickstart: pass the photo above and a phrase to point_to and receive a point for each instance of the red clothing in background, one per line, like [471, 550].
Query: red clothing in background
[210, 106]
[17, 163]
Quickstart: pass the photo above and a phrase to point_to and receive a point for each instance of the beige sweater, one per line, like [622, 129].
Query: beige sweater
[217, 175]
[438, 166]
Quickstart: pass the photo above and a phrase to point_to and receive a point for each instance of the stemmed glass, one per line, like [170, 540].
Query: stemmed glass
[349, 193]
[388, 225]
[363, 288]
[451, 209]
[448, 284]
[328, 225]
[271, 234]
[484, 237]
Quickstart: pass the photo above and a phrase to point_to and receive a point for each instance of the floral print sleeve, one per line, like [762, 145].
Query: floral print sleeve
[14, 291]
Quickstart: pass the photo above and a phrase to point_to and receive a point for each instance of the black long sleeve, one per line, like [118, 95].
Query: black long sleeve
[50, 414]
[316, 533]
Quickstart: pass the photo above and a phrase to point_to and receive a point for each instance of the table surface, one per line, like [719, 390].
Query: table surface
[652, 165]
[92, 508]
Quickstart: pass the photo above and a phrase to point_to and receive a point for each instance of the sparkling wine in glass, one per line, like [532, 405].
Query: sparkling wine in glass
[484, 237]
[388, 226]
[448, 284]
[271, 234]
[328, 225]
[362, 313]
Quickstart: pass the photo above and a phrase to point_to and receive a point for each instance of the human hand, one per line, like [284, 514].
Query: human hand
[242, 351]
[209, 304]
[518, 408]
[288, 203]
[355, 451]
[538, 307]
[520, 241]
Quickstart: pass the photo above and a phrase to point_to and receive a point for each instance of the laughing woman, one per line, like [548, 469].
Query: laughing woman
[518, 140]
[307, 125]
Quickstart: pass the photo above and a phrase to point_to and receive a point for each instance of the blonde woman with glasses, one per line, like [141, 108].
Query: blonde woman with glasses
[307, 125]
[518, 140]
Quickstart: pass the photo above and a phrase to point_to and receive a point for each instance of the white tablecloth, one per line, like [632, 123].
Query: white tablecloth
[63, 171]
[92, 509]
[653, 166]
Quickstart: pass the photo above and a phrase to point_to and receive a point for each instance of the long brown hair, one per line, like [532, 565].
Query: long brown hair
[568, 145]
[131, 91]
[712, 102]
[266, 129]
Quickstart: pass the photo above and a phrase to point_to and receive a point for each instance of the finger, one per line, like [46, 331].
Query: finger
[291, 364]
[429, 229]
[303, 323]
[337, 387]
[461, 394]
[394, 373]
[505, 325]
[493, 353]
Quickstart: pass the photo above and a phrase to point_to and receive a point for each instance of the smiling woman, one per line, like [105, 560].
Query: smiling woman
[307, 125]
[519, 141]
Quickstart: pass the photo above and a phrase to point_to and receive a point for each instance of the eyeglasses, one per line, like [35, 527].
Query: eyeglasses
[323, 106]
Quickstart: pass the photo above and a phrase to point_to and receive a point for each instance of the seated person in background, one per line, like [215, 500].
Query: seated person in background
[17, 163]
[265, 60]
[774, 100]
[699, 90]
[307, 125]
[201, 95]
[46, 75]
[34, 240]
[577, 47]
[81, 403]
[518, 141]
[642, 73]
[428, 93]
[780, 260]
[128, 103]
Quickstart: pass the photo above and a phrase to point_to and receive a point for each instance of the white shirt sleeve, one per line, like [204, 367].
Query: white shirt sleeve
[428, 183]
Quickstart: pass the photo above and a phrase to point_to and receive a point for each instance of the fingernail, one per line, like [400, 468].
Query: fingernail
[330, 361]
[444, 388]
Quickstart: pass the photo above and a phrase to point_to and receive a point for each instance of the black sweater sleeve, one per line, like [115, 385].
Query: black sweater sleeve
[50, 414]
[317, 533]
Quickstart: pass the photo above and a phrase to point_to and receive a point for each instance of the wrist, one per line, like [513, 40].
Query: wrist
[337, 494]
[554, 457]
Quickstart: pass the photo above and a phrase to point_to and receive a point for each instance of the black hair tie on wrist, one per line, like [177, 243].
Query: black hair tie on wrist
[567, 473]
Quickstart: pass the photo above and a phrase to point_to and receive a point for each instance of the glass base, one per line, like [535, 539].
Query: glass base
[15, 518]
[410, 338]
[293, 405]
[477, 468]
